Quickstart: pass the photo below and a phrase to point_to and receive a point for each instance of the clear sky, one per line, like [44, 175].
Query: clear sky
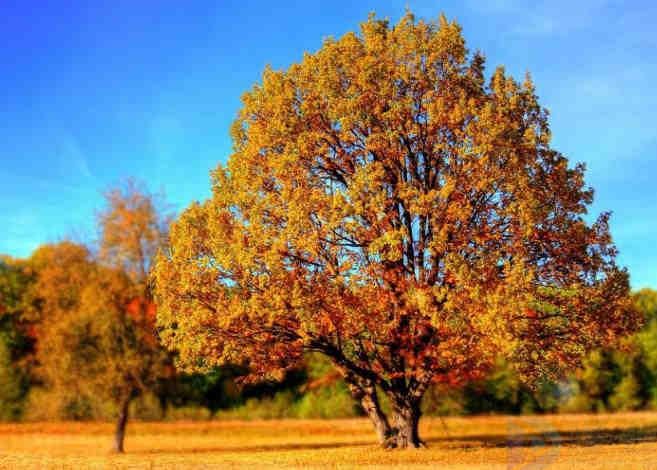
[93, 93]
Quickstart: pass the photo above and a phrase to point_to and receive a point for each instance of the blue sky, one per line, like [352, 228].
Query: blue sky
[96, 92]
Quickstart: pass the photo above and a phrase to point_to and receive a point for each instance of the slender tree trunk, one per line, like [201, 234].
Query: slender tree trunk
[365, 394]
[164, 405]
[370, 404]
[119, 434]
[405, 419]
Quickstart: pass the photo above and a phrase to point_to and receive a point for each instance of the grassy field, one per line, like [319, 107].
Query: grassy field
[550, 442]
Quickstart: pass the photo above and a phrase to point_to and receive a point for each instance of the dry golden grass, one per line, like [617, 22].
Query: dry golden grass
[550, 442]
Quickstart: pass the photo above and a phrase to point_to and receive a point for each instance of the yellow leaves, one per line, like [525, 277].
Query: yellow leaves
[380, 194]
[365, 193]
[425, 202]
[422, 301]
[388, 246]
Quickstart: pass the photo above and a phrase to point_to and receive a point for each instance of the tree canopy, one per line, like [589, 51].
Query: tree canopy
[390, 208]
[132, 227]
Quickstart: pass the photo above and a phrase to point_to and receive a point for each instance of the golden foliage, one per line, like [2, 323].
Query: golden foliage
[95, 335]
[387, 207]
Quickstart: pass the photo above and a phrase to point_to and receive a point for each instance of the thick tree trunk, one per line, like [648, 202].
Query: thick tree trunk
[405, 419]
[402, 431]
[119, 434]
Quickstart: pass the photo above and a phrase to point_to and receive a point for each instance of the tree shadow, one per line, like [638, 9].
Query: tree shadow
[553, 437]
[549, 437]
[261, 448]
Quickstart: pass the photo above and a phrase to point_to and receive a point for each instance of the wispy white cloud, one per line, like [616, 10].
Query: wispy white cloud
[53, 183]
[541, 18]
[493, 6]
[71, 157]
[536, 25]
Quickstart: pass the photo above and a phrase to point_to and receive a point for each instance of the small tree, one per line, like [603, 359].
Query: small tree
[133, 227]
[98, 321]
[387, 208]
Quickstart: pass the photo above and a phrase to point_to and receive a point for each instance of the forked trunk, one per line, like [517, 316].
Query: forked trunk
[119, 434]
[401, 432]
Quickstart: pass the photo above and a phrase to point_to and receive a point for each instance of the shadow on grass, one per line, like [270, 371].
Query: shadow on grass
[261, 448]
[510, 440]
[552, 437]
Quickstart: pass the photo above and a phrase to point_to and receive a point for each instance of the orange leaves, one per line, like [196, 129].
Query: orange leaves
[530, 313]
[143, 312]
[95, 317]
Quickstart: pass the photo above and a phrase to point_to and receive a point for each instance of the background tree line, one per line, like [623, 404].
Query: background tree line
[78, 342]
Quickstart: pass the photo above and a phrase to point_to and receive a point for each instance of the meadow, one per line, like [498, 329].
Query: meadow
[559, 442]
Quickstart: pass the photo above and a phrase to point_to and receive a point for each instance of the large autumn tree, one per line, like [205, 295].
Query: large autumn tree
[390, 208]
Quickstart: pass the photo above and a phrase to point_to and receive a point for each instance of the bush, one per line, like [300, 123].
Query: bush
[332, 401]
[12, 386]
[279, 406]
